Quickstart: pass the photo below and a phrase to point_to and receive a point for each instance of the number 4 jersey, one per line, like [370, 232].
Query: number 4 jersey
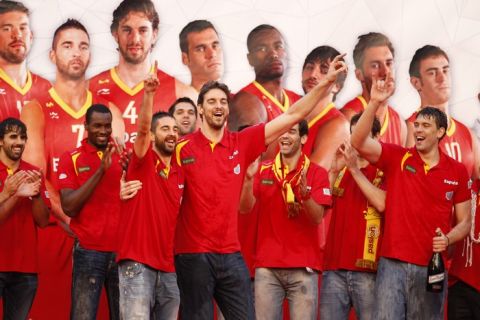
[108, 85]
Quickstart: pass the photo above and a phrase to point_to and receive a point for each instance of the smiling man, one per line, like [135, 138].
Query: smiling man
[148, 283]
[434, 192]
[20, 215]
[214, 159]
[185, 113]
[291, 194]
[88, 181]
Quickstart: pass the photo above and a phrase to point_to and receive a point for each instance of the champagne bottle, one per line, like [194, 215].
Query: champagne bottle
[436, 272]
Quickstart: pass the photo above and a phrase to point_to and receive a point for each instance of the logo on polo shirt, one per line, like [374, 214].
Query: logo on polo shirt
[236, 170]
[449, 195]
[62, 176]
[233, 155]
[267, 181]
[410, 168]
[83, 169]
[326, 191]
[189, 160]
[450, 182]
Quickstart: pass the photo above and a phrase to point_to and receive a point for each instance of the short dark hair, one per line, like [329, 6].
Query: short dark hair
[438, 115]
[9, 6]
[126, 6]
[193, 26]
[421, 54]
[322, 54]
[370, 40]
[303, 128]
[172, 108]
[99, 108]
[157, 116]
[12, 124]
[257, 30]
[376, 126]
[210, 85]
[69, 24]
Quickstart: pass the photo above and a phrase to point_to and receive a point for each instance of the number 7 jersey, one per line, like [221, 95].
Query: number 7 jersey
[108, 85]
[64, 127]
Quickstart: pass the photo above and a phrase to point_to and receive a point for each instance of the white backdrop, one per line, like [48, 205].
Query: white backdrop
[454, 25]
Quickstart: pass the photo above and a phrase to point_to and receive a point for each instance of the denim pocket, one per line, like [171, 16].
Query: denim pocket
[131, 269]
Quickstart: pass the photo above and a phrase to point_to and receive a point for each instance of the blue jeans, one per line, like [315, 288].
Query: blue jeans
[401, 292]
[91, 271]
[297, 285]
[17, 290]
[147, 293]
[205, 276]
[342, 290]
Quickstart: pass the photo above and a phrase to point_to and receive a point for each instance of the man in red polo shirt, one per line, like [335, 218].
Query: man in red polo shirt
[374, 56]
[88, 181]
[424, 185]
[148, 283]
[22, 210]
[353, 243]
[207, 260]
[291, 194]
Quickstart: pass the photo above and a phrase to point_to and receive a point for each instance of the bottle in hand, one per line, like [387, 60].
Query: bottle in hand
[436, 272]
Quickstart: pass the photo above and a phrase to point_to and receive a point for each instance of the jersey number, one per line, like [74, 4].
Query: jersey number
[131, 112]
[80, 130]
[454, 151]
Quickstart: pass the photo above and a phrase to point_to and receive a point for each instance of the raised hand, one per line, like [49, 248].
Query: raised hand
[338, 161]
[107, 156]
[128, 189]
[349, 155]
[382, 89]
[151, 83]
[337, 67]
[303, 191]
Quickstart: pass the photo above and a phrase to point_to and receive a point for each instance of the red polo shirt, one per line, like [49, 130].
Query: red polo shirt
[18, 233]
[284, 242]
[96, 225]
[418, 201]
[346, 235]
[213, 181]
[149, 219]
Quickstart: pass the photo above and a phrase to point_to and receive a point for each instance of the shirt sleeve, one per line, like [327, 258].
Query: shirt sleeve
[252, 141]
[318, 180]
[390, 156]
[67, 177]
